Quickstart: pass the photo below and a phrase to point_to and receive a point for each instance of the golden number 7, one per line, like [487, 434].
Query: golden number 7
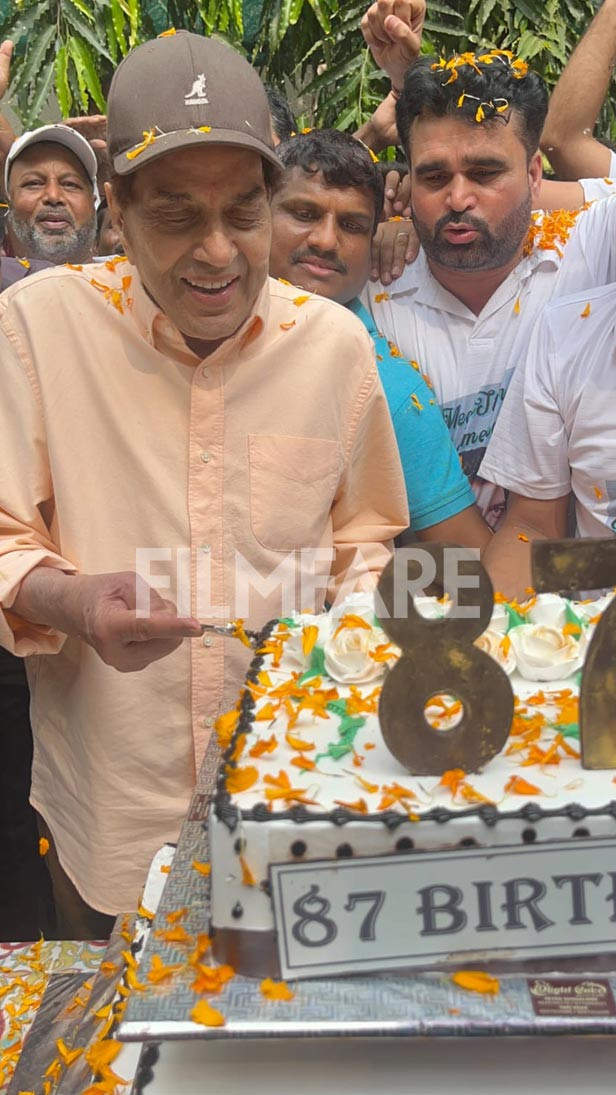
[565, 566]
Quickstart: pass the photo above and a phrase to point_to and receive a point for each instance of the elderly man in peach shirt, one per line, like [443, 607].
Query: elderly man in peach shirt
[182, 440]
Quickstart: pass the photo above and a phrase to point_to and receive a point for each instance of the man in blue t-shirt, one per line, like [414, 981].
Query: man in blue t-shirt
[324, 214]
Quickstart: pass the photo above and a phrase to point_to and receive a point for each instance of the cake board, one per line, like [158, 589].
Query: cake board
[382, 1005]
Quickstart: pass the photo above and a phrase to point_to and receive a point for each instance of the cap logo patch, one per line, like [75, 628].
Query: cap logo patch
[197, 94]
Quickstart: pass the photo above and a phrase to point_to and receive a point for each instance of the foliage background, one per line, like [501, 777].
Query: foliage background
[311, 49]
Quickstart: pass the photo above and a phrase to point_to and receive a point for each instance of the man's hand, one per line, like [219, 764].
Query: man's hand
[6, 52]
[394, 244]
[91, 126]
[392, 29]
[101, 609]
[397, 201]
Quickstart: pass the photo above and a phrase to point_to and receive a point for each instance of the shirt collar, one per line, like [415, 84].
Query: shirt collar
[159, 331]
[419, 280]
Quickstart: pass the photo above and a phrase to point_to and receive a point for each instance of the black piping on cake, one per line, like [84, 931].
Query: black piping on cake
[231, 815]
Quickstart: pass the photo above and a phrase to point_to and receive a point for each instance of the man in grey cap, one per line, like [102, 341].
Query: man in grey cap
[50, 182]
[174, 420]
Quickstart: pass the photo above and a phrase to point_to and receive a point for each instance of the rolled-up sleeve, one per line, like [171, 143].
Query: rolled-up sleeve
[371, 505]
[26, 499]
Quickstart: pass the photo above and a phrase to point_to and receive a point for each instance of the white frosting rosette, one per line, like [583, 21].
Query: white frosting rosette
[549, 609]
[499, 647]
[348, 655]
[545, 653]
[499, 620]
[357, 604]
[587, 611]
[431, 608]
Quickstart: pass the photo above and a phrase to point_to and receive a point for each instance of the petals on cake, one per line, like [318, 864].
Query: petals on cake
[358, 654]
[499, 647]
[546, 653]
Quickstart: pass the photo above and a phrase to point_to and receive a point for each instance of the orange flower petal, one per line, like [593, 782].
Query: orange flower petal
[202, 868]
[476, 981]
[276, 990]
[206, 1015]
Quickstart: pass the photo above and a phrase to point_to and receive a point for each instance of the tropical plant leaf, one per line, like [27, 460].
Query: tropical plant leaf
[87, 33]
[40, 94]
[76, 58]
[83, 8]
[63, 90]
[25, 76]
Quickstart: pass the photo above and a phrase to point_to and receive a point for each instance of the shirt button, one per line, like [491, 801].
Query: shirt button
[206, 547]
[206, 457]
[207, 723]
[208, 640]
[205, 373]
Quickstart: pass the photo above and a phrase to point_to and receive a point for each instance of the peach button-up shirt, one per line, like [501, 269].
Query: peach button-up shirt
[121, 450]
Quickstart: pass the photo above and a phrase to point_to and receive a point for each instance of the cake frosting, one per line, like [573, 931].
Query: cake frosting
[307, 775]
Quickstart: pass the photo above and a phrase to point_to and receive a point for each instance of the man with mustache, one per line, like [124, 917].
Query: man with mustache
[465, 309]
[324, 214]
[50, 182]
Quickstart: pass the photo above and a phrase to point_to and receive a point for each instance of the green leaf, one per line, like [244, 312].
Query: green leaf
[40, 94]
[319, 10]
[83, 8]
[295, 11]
[90, 36]
[63, 91]
[118, 25]
[76, 58]
[110, 34]
[26, 22]
[24, 79]
[91, 77]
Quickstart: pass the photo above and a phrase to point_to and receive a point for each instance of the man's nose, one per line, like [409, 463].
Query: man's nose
[461, 194]
[323, 234]
[216, 248]
[53, 193]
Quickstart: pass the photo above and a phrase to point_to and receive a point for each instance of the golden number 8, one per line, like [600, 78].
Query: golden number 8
[438, 656]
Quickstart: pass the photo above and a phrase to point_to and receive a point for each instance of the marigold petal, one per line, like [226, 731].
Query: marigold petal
[276, 990]
[476, 981]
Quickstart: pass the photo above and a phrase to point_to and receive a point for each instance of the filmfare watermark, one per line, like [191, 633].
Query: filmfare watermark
[205, 586]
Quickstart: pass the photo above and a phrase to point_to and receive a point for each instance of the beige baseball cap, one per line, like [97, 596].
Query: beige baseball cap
[179, 91]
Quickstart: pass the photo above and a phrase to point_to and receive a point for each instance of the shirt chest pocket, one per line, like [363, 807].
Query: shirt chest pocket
[293, 482]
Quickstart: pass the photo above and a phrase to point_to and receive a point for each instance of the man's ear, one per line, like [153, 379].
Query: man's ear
[117, 217]
[535, 175]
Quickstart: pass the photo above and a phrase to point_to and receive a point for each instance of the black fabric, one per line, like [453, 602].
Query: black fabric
[26, 907]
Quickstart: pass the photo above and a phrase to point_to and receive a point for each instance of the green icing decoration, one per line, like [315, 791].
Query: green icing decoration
[572, 618]
[515, 618]
[316, 665]
[348, 730]
[288, 621]
[337, 707]
[578, 678]
[567, 729]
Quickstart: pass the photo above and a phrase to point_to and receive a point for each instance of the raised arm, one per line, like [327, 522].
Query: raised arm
[392, 29]
[577, 99]
[6, 132]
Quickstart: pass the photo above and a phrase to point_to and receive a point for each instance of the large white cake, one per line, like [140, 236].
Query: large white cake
[307, 774]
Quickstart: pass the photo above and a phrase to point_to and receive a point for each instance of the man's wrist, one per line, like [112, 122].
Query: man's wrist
[44, 598]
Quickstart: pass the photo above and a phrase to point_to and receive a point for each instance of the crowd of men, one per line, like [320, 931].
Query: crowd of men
[198, 365]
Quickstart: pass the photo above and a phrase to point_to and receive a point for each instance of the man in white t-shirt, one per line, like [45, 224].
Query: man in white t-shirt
[556, 434]
[466, 308]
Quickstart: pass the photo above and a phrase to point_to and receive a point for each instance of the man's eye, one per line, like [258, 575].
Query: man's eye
[354, 226]
[484, 175]
[304, 214]
[434, 180]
